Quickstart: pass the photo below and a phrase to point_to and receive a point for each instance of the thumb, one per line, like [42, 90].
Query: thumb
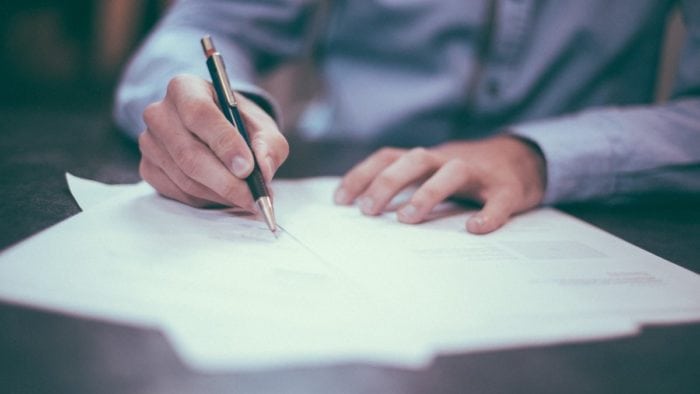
[495, 213]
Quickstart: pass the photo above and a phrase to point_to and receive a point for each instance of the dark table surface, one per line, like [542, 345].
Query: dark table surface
[48, 352]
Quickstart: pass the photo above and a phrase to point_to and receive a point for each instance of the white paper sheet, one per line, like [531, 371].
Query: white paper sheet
[89, 194]
[338, 286]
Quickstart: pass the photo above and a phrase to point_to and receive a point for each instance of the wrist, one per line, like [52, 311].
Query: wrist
[532, 162]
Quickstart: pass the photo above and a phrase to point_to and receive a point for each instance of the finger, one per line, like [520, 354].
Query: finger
[407, 169]
[359, 177]
[193, 157]
[495, 213]
[157, 178]
[453, 176]
[269, 145]
[197, 162]
[197, 108]
[152, 151]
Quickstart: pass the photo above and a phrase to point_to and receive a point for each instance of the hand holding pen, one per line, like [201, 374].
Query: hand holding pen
[229, 107]
[193, 154]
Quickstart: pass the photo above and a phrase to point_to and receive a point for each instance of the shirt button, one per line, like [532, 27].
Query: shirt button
[493, 88]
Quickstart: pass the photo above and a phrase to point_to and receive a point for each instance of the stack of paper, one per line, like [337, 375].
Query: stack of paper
[337, 286]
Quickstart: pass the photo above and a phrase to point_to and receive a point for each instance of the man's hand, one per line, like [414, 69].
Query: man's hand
[505, 174]
[191, 153]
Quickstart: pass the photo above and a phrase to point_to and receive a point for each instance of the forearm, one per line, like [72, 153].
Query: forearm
[250, 36]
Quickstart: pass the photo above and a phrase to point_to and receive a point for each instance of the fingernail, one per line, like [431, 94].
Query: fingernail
[475, 223]
[366, 204]
[407, 212]
[341, 196]
[239, 166]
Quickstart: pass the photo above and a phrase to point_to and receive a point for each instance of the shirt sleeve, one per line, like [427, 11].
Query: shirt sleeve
[623, 151]
[253, 37]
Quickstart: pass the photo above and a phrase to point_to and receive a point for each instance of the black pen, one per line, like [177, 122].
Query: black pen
[229, 106]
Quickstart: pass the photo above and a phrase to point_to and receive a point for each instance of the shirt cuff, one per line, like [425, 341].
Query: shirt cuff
[147, 76]
[579, 152]
[260, 97]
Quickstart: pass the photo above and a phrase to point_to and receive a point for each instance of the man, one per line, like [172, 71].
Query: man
[511, 103]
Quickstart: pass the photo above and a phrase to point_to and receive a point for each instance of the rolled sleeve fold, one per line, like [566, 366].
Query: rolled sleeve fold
[578, 155]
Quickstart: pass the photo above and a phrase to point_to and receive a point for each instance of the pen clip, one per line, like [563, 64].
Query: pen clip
[225, 84]
[217, 62]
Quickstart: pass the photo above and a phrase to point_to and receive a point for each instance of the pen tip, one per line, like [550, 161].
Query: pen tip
[265, 205]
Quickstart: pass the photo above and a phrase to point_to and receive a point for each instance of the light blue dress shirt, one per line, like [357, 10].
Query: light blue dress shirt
[575, 77]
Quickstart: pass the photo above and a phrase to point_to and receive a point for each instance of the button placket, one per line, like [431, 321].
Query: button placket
[511, 24]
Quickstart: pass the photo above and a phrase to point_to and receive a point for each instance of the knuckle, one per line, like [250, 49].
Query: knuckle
[427, 194]
[459, 167]
[186, 158]
[388, 154]
[177, 84]
[351, 179]
[152, 114]
[420, 156]
[348, 183]
[195, 110]
[384, 182]
[223, 142]
[418, 151]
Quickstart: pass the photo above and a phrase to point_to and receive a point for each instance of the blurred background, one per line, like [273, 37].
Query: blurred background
[68, 54]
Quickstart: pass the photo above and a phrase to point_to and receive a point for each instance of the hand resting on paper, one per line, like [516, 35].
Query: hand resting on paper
[506, 174]
[192, 154]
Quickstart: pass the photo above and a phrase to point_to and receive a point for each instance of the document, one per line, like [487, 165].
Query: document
[337, 286]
